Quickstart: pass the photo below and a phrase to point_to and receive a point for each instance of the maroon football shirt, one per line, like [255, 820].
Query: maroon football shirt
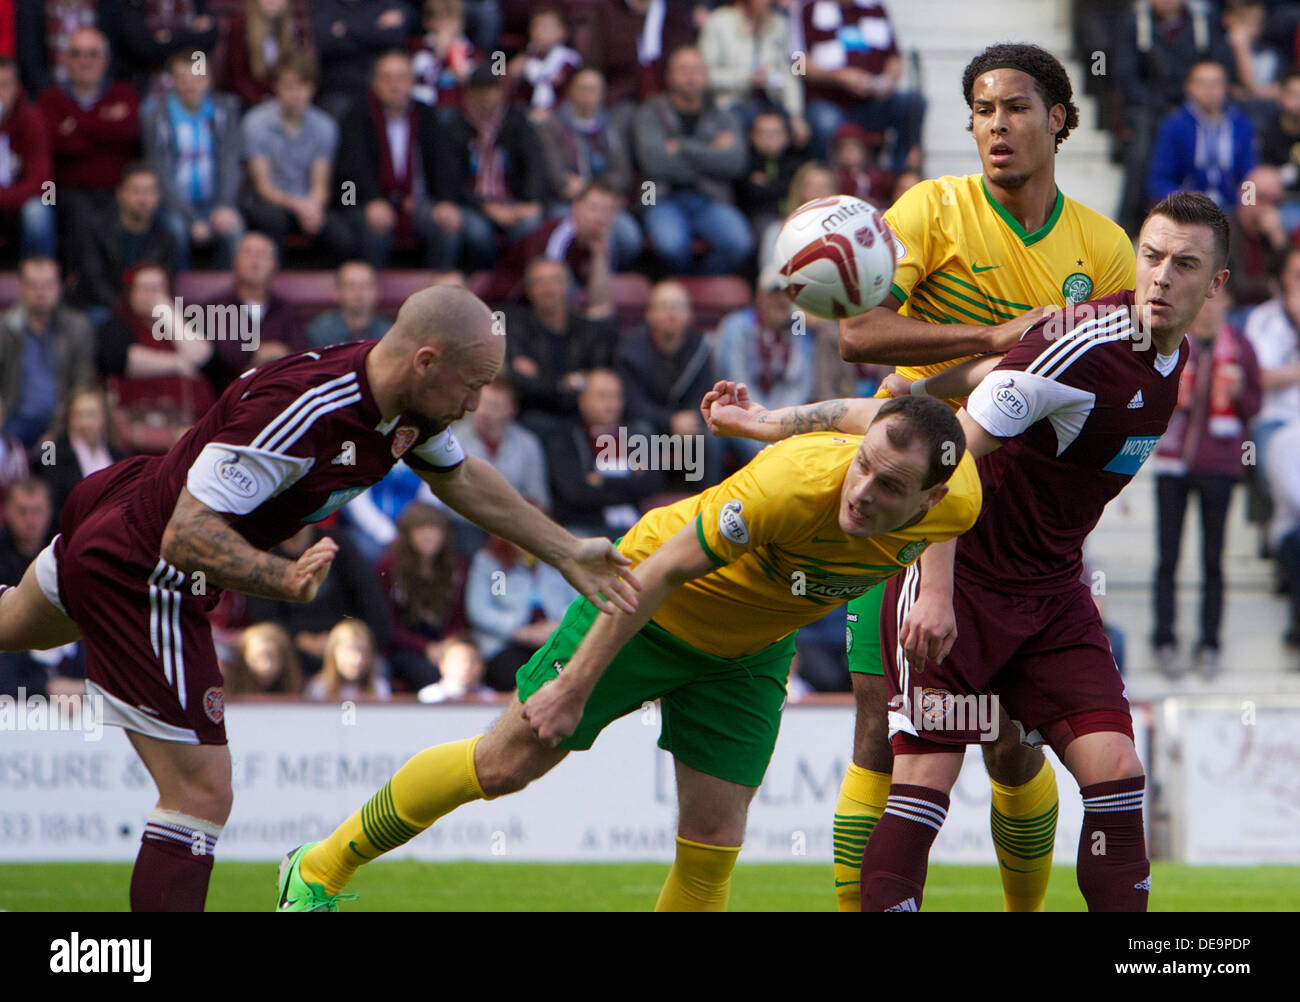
[286, 444]
[1080, 409]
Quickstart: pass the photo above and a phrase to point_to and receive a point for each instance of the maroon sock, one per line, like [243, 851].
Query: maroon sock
[173, 867]
[1113, 871]
[898, 852]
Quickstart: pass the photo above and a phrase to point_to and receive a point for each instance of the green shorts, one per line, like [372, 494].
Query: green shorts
[862, 637]
[720, 716]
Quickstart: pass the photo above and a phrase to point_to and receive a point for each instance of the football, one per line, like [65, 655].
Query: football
[836, 257]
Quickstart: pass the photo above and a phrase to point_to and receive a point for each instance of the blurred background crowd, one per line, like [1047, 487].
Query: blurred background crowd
[611, 176]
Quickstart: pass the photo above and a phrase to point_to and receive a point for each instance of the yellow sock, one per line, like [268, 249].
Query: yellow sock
[700, 880]
[863, 796]
[433, 783]
[1023, 819]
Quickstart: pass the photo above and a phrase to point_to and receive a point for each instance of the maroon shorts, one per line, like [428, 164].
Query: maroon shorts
[1044, 659]
[148, 645]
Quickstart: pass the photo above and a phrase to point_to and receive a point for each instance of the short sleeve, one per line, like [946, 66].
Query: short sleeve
[1118, 270]
[440, 454]
[1026, 387]
[757, 505]
[911, 219]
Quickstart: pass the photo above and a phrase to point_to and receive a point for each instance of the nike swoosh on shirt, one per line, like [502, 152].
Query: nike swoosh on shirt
[988, 267]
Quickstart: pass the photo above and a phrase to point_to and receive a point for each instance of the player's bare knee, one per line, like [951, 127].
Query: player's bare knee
[1010, 762]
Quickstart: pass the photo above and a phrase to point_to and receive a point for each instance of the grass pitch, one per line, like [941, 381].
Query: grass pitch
[531, 887]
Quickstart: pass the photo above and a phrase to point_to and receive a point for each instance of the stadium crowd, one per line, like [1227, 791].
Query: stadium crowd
[608, 174]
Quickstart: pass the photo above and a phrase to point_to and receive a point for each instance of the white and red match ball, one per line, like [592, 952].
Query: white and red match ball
[836, 257]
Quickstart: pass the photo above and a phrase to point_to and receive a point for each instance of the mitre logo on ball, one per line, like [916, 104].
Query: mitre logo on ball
[836, 257]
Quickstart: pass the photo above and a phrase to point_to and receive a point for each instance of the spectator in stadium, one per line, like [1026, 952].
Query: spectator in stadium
[46, 351]
[259, 36]
[1273, 329]
[667, 367]
[1207, 145]
[1201, 453]
[129, 232]
[43, 32]
[1257, 64]
[767, 349]
[504, 172]
[350, 35]
[1284, 532]
[289, 146]
[406, 180]
[580, 140]
[422, 578]
[461, 680]
[772, 166]
[443, 58]
[264, 662]
[513, 602]
[1155, 48]
[492, 434]
[147, 30]
[277, 321]
[852, 74]
[1275, 214]
[349, 669]
[26, 168]
[158, 378]
[24, 533]
[348, 592]
[549, 347]
[812, 180]
[357, 289]
[542, 71]
[856, 172]
[585, 238]
[746, 48]
[191, 139]
[83, 444]
[94, 128]
[596, 488]
[629, 41]
[692, 151]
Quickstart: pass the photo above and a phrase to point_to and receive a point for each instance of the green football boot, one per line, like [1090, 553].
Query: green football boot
[297, 895]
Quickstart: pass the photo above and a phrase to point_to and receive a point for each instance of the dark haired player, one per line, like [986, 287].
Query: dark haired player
[974, 254]
[148, 544]
[1059, 427]
[727, 578]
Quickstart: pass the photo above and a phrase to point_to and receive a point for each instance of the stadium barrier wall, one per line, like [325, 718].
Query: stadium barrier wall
[300, 768]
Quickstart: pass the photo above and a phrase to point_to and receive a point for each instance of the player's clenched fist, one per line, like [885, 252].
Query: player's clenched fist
[554, 711]
[307, 573]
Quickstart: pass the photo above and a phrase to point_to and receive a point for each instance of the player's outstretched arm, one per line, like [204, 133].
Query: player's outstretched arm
[882, 337]
[593, 566]
[730, 413]
[555, 709]
[198, 539]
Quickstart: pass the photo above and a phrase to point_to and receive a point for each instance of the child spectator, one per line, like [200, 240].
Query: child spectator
[264, 662]
[462, 679]
[423, 581]
[83, 444]
[260, 36]
[191, 138]
[856, 172]
[349, 670]
[543, 69]
[442, 58]
[772, 166]
[812, 180]
[514, 602]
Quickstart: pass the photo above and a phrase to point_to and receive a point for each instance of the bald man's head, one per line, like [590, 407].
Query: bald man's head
[444, 347]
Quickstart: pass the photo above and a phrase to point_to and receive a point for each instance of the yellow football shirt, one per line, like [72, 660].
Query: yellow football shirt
[961, 258]
[783, 560]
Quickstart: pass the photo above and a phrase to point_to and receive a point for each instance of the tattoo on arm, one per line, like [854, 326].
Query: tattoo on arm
[824, 416]
[199, 539]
